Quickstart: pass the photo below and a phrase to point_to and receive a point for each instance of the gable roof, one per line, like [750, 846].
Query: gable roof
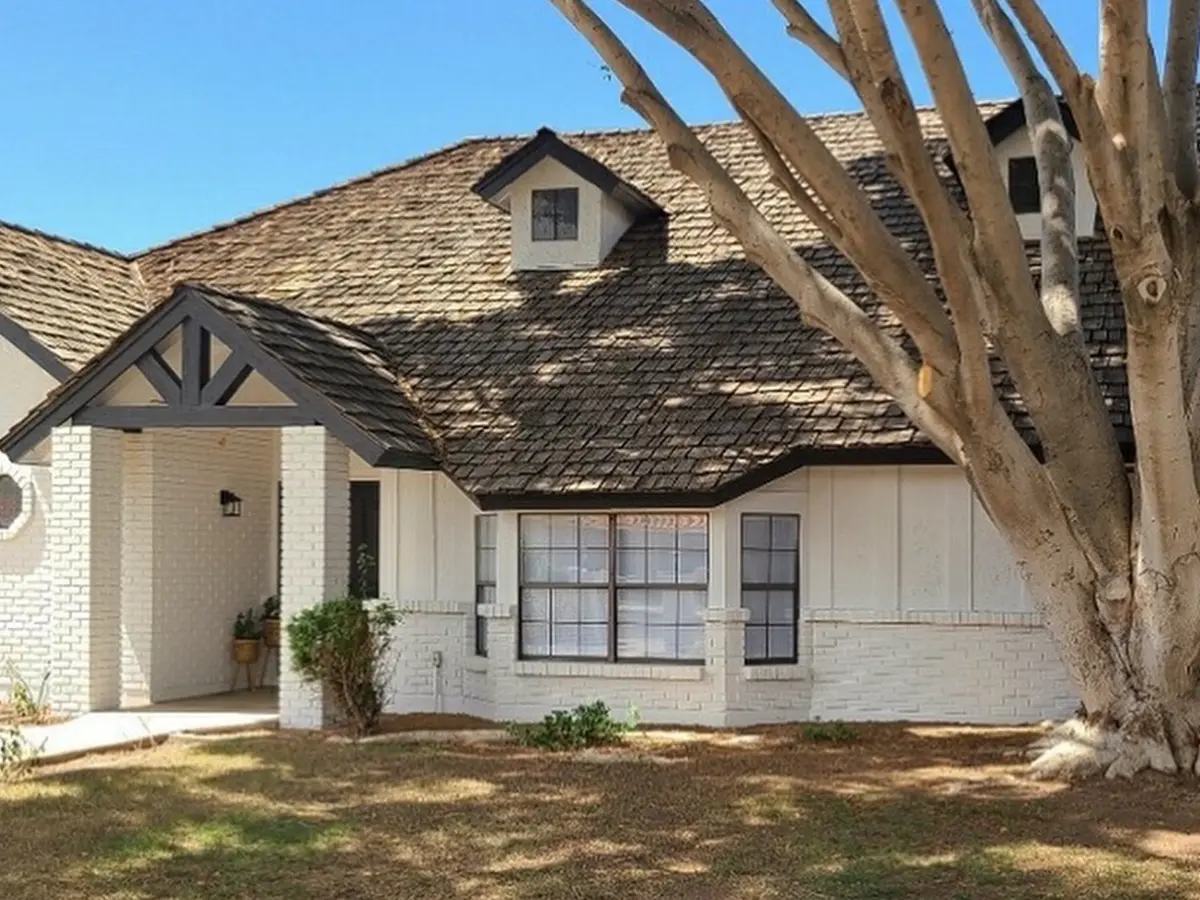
[336, 376]
[72, 298]
[677, 372]
[1006, 121]
[548, 145]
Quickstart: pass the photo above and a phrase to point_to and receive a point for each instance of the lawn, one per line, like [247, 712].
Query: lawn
[923, 813]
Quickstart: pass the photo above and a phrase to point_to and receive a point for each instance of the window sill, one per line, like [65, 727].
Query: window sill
[556, 669]
[780, 672]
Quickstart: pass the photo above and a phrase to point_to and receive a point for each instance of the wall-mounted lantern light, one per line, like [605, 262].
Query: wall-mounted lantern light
[231, 505]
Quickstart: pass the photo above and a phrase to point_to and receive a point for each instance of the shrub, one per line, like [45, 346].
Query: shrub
[343, 644]
[246, 626]
[832, 732]
[588, 725]
[16, 754]
[28, 704]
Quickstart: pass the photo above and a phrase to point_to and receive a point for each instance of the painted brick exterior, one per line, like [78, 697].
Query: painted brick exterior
[315, 471]
[25, 590]
[85, 556]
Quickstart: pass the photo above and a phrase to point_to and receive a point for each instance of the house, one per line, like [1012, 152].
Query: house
[593, 452]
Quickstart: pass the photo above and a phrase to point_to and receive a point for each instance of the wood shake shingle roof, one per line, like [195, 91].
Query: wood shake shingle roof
[675, 369]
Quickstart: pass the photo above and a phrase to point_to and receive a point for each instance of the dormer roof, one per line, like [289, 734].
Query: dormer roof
[1009, 119]
[493, 186]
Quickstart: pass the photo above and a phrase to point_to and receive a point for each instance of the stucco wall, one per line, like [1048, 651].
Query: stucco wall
[1017, 145]
[24, 567]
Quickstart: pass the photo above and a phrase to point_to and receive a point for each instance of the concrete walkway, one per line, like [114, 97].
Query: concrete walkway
[96, 732]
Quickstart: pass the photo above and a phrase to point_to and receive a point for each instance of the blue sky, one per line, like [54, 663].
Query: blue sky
[129, 122]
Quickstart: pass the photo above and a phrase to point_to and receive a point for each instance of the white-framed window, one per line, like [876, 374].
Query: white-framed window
[556, 214]
[771, 585]
[485, 577]
[617, 587]
[16, 499]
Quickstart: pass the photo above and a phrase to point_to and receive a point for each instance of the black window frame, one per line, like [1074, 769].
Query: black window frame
[1024, 188]
[560, 221]
[482, 584]
[770, 587]
[613, 588]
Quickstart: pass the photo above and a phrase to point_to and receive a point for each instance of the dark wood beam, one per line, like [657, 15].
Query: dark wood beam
[197, 361]
[161, 377]
[226, 382]
[126, 417]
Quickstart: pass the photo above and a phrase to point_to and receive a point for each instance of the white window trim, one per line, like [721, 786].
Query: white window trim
[23, 476]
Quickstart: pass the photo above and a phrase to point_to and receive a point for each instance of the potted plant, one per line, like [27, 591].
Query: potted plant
[270, 623]
[246, 635]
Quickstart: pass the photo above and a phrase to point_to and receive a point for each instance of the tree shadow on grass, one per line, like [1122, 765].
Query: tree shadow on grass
[274, 818]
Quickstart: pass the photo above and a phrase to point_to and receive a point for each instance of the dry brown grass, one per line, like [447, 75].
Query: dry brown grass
[920, 812]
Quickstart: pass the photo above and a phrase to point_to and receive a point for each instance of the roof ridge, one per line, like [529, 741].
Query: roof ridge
[70, 242]
[312, 195]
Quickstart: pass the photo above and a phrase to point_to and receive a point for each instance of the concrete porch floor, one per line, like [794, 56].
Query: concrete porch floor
[100, 731]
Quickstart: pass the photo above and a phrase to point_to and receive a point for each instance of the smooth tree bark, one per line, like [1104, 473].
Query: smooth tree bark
[1111, 552]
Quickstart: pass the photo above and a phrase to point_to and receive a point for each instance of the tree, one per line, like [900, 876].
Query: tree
[1112, 556]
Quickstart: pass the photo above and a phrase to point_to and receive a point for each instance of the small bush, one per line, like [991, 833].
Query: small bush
[28, 704]
[588, 725]
[343, 644]
[832, 732]
[17, 755]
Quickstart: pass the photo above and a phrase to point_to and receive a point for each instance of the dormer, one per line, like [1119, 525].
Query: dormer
[1014, 151]
[567, 209]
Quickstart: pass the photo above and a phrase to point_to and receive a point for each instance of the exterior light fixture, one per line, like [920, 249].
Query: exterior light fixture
[231, 505]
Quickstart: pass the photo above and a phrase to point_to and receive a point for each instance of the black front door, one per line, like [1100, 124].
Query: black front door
[364, 538]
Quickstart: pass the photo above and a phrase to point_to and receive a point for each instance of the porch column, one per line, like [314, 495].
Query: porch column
[315, 472]
[84, 536]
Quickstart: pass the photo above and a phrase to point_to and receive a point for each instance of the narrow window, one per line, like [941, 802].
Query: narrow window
[364, 538]
[771, 586]
[614, 587]
[1023, 190]
[485, 576]
[556, 214]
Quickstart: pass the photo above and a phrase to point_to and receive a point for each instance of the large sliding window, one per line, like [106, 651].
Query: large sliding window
[771, 586]
[631, 586]
[485, 576]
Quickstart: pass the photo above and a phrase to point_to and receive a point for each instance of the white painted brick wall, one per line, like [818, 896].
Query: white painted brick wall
[25, 591]
[85, 554]
[315, 470]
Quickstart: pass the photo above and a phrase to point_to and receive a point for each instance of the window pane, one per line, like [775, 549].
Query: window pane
[756, 602]
[662, 607]
[535, 566]
[691, 642]
[693, 567]
[564, 639]
[593, 531]
[661, 642]
[1023, 188]
[593, 566]
[480, 636]
[756, 567]
[485, 593]
[783, 607]
[631, 531]
[691, 606]
[486, 531]
[565, 606]
[785, 532]
[593, 606]
[783, 567]
[535, 639]
[631, 566]
[535, 531]
[756, 532]
[564, 531]
[756, 642]
[593, 640]
[567, 214]
[535, 605]
[781, 642]
[660, 532]
[486, 567]
[564, 566]
[661, 567]
[631, 640]
[632, 607]
[693, 532]
[543, 215]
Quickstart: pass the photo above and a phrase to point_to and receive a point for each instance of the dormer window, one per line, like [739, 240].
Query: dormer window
[1023, 189]
[556, 214]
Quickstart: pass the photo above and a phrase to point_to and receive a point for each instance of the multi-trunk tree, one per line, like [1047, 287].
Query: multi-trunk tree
[1110, 552]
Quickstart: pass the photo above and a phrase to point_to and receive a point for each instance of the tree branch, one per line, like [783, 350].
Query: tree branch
[804, 28]
[1179, 89]
[819, 301]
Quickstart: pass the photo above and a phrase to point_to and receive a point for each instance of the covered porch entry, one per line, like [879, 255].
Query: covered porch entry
[202, 464]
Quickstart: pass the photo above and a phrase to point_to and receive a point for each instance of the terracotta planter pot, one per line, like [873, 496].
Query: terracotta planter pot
[245, 652]
[271, 633]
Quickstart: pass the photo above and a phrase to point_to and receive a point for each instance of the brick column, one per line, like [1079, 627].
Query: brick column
[315, 471]
[725, 651]
[84, 538]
